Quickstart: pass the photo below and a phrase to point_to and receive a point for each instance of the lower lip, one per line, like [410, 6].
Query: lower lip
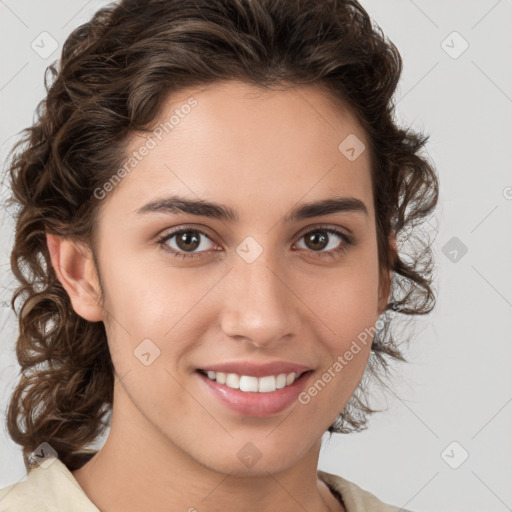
[256, 404]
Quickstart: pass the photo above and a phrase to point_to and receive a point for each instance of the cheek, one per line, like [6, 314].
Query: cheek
[346, 309]
[148, 297]
[155, 302]
[346, 302]
[347, 316]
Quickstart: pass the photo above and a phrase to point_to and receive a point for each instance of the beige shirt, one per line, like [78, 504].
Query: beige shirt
[53, 488]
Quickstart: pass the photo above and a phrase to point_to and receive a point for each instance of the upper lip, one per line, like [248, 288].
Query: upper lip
[252, 369]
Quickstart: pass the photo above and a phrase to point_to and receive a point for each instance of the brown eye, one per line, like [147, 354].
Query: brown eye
[316, 240]
[326, 241]
[186, 242]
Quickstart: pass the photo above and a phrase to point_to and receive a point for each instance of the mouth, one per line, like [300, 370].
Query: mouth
[248, 395]
[252, 384]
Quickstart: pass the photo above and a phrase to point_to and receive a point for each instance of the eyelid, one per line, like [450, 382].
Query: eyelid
[185, 227]
[326, 226]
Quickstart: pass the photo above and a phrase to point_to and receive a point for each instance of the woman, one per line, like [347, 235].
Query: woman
[211, 202]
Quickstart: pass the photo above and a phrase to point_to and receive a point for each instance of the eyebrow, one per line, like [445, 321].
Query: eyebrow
[177, 204]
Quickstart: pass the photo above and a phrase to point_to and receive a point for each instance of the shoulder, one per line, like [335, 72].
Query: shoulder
[354, 497]
[20, 496]
[46, 489]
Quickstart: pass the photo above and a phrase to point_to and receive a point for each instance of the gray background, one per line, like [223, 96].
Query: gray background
[457, 387]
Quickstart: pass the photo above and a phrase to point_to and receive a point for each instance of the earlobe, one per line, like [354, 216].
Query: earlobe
[74, 266]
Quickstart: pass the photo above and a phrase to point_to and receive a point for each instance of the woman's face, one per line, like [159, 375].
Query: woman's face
[268, 290]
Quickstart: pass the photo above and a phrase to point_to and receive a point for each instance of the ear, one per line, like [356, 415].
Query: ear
[75, 269]
[386, 276]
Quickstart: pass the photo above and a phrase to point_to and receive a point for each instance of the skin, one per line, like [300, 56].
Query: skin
[171, 445]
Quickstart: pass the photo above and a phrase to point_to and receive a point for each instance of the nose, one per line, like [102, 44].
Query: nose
[259, 303]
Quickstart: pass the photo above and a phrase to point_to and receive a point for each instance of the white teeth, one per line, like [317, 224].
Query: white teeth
[267, 384]
[248, 383]
[233, 381]
[281, 381]
[290, 378]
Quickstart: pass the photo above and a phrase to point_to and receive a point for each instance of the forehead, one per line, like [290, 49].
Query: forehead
[251, 148]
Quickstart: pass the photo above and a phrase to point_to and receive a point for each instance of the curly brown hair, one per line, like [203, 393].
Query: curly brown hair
[115, 73]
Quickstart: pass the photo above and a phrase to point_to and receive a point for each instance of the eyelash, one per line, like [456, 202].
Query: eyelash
[347, 242]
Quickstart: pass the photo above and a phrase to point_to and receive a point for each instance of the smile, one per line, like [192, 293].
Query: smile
[248, 395]
[252, 384]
